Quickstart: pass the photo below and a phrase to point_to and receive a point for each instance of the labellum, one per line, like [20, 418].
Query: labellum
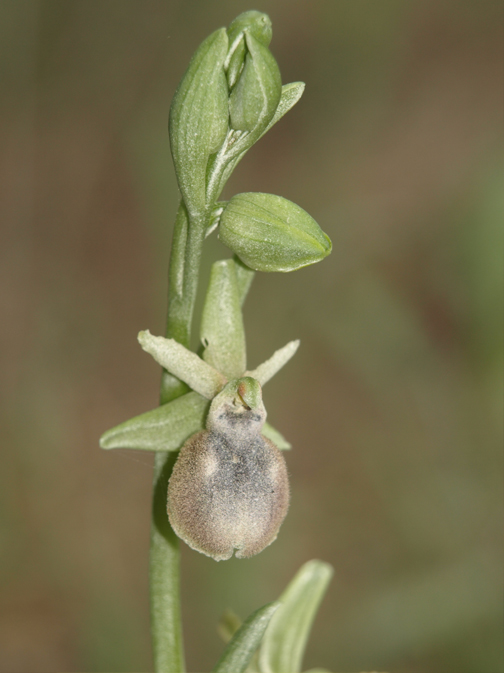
[229, 490]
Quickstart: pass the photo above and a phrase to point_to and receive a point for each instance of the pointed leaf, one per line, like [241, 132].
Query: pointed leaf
[222, 332]
[276, 437]
[291, 93]
[184, 364]
[284, 643]
[268, 369]
[165, 428]
[245, 642]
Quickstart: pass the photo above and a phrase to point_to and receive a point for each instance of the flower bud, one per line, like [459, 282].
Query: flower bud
[270, 233]
[229, 489]
[199, 118]
[256, 94]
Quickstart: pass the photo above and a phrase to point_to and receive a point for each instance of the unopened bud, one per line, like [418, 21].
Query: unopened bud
[257, 92]
[270, 233]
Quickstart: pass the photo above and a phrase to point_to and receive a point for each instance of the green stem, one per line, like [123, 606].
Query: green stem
[166, 621]
[188, 237]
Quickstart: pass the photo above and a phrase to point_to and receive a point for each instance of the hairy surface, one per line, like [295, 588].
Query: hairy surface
[229, 489]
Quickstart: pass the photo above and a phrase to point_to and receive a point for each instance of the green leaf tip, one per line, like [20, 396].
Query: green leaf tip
[270, 233]
[284, 643]
[241, 649]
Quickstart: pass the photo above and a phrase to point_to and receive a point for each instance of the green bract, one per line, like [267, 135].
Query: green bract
[199, 119]
[270, 233]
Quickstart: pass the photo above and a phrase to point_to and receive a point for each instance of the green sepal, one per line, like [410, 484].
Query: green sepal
[272, 365]
[257, 92]
[246, 640]
[222, 332]
[270, 233]
[199, 117]
[284, 642]
[165, 428]
[276, 437]
[184, 364]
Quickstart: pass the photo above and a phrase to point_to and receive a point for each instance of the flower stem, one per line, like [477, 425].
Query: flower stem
[166, 620]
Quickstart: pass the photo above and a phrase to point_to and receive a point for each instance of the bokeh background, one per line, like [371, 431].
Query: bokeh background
[393, 403]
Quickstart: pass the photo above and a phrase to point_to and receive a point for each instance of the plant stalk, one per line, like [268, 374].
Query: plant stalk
[166, 618]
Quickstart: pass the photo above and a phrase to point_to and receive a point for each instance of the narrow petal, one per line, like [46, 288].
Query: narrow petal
[268, 369]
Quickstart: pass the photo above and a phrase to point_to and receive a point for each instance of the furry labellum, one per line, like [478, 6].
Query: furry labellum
[229, 489]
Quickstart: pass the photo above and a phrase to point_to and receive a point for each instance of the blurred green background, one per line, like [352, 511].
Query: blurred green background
[394, 402]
